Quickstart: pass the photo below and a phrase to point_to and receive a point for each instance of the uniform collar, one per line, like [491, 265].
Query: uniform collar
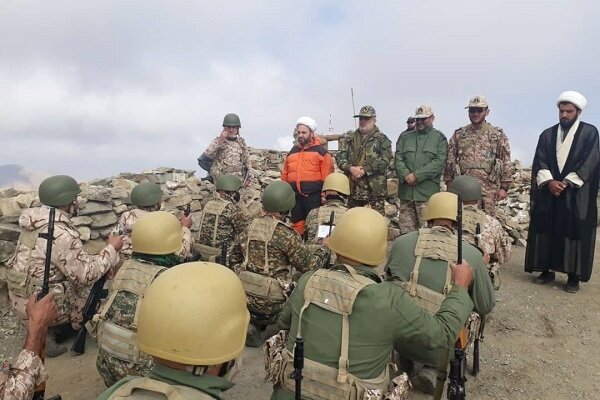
[213, 385]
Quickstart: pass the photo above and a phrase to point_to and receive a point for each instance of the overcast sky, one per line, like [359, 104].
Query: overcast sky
[92, 89]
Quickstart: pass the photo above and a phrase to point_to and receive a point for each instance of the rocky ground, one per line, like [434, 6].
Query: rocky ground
[540, 343]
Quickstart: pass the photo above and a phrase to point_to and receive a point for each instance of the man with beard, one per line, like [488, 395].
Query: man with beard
[365, 159]
[306, 167]
[564, 187]
[420, 158]
[411, 124]
[228, 153]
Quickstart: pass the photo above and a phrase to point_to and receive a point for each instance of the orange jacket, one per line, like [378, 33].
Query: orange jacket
[306, 168]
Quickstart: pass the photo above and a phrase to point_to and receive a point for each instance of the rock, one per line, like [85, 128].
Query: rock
[521, 242]
[9, 232]
[25, 200]
[179, 200]
[195, 205]
[84, 233]
[121, 209]
[83, 220]
[94, 235]
[7, 250]
[9, 219]
[96, 193]
[122, 185]
[9, 207]
[93, 207]
[104, 219]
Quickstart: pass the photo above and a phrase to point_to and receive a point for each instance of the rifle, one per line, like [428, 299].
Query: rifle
[330, 223]
[480, 333]
[223, 258]
[298, 366]
[40, 391]
[91, 304]
[187, 211]
[456, 386]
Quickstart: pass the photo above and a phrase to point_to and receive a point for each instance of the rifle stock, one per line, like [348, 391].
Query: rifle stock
[298, 366]
[91, 304]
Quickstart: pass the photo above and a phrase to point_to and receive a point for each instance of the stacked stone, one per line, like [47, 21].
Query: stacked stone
[513, 212]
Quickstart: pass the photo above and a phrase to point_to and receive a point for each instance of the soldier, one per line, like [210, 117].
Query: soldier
[422, 259]
[272, 253]
[349, 320]
[480, 229]
[193, 322]
[19, 381]
[365, 158]
[72, 269]
[157, 237]
[147, 197]
[481, 150]
[222, 221]
[411, 124]
[228, 153]
[336, 189]
[419, 161]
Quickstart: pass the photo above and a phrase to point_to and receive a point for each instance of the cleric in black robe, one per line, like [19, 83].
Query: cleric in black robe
[564, 187]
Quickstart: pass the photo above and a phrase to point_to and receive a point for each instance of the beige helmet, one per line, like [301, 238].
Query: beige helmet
[338, 182]
[360, 235]
[157, 233]
[441, 205]
[195, 314]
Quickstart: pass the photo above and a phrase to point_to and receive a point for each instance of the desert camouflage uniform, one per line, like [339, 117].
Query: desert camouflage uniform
[72, 269]
[320, 216]
[287, 257]
[230, 157]
[232, 222]
[374, 153]
[122, 312]
[19, 381]
[125, 226]
[483, 154]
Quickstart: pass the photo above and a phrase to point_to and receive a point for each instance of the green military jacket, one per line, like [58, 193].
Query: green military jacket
[383, 314]
[424, 154]
[373, 153]
[432, 273]
[211, 385]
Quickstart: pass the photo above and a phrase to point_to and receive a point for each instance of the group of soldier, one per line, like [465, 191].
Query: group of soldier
[175, 329]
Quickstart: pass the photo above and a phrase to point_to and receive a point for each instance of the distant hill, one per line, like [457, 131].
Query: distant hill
[20, 178]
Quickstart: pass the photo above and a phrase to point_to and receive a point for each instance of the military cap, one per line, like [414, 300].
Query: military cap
[424, 111]
[478, 101]
[367, 112]
[410, 120]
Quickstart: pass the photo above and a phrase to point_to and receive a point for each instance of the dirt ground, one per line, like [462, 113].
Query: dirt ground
[540, 343]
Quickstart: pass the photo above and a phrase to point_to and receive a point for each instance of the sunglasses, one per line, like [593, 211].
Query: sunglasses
[477, 110]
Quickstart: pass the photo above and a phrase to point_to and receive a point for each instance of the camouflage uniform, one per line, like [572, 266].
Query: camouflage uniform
[320, 216]
[19, 381]
[121, 310]
[230, 157]
[483, 154]
[72, 270]
[125, 225]
[272, 249]
[222, 221]
[374, 153]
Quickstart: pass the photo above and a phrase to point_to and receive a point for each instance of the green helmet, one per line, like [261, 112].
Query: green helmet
[146, 194]
[228, 183]
[278, 196]
[467, 187]
[58, 190]
[232, 120]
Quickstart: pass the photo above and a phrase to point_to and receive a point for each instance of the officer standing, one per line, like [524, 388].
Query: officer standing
[193, 322]
[156, 237]
[481, 151]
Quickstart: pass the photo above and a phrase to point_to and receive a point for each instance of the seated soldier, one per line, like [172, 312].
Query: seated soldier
[222, 221]
[156, 238]
[481, 229]
[421, 260]
[349, 320]
[147, 197]
[272, 253]
[193, 322]
[320, 221]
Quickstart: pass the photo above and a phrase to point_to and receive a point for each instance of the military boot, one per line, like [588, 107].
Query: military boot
[253, 337]
[572, 285]
[53, 349]
[545, 277]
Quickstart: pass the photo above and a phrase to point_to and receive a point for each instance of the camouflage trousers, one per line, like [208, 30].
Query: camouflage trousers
[112, 369]
[263, 312]
[410, 216]
[376, 203]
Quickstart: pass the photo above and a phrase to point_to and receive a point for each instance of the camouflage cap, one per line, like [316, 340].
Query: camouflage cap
[410, 120]
[423, 111]
[367, 112]
[478, 101]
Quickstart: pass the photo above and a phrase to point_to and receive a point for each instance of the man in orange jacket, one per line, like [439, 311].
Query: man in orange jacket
[306, 167]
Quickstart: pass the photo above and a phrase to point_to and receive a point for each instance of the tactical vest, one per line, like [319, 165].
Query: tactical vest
[471, 218]
[262, 230]
[148, 388]
[216, 208]
[120, 342]
[323, 215]
[491, 134]
[433, 245]
[336, 292]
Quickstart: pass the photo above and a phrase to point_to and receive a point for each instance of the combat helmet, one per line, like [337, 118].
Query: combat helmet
[157, 233]
[146, 194]
[232, 120]
[278, 196]
[58, 190]
[338, 182]
[467, 187]
[441, 205]
[228, 183]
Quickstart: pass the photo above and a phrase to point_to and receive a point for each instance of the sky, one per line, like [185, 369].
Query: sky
[95, 88]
